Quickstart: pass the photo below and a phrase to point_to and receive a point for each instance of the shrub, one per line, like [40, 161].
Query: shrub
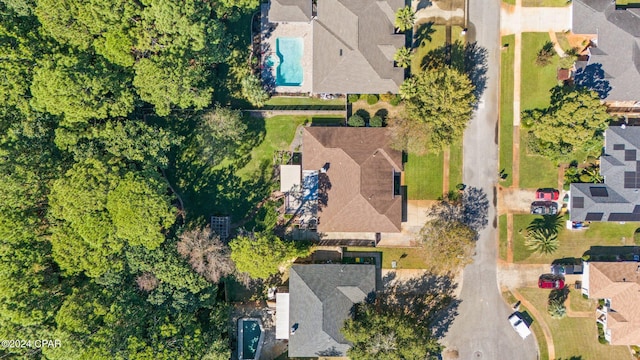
[372, 99]
[356, 121]
[364, 114]
[375, 121]
[395, 100]
[386, 97]
[353, 98]
[545, 54]
[363, 96]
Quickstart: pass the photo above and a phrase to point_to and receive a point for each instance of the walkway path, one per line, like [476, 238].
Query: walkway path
[538, 317]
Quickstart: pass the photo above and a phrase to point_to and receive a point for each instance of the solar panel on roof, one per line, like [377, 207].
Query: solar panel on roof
[624, 217]
[629, 155]
[618, 146]
[629, 180]
[593, 216]
[598, 191]
[578, 202]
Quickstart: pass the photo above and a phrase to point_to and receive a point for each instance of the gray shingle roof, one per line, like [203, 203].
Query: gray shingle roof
[351, 40]
[618, 45]
[616, 199]
[290, 10]
[321, 298]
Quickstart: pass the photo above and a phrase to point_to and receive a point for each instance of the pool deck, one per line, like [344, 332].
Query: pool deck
[241, 338]
[271, 31]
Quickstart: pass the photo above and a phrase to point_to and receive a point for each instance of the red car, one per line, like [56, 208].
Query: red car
[548, 194]
[550, 283]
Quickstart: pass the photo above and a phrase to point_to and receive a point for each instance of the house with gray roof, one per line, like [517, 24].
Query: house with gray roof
[614, 59]
[349, 44]
[618, 198]
[321, 297]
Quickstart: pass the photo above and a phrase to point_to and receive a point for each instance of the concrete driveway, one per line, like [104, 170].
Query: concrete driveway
[481, 330]
[534, 19]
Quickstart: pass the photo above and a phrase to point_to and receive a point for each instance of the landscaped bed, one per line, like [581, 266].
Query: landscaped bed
[573, 337]
[573, 243]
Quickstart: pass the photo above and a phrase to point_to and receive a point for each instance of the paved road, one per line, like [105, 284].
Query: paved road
[481, 330]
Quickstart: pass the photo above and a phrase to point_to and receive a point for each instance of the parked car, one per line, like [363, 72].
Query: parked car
[544, 208]
[563, 269]
[550, 281]
[519, 325]
[547, 194]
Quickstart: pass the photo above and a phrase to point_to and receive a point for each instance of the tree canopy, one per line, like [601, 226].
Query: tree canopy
[262, 255]
[573, 123]
[438, 105]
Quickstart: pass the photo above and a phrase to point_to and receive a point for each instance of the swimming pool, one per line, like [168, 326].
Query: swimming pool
[289, 66]
[250, 335]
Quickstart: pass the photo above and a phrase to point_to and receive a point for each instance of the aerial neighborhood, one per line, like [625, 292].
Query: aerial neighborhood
[319, 179]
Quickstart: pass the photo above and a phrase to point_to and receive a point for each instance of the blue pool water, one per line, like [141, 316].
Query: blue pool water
[289, 71]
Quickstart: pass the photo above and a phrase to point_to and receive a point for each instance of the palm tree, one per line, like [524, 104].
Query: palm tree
[402, 57]
[549, 223]
[556, 309]
[405, 17]
[591, 175]
[542, 241]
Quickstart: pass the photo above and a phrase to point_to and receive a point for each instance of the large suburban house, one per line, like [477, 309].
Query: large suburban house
[319, 300]
[332, 46]
[618, 198]
[618, 284]
[349, 182]
[615, 38]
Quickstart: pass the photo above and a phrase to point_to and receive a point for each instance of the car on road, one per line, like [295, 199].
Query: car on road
[544, 208]
[519, 325]
[547, 194]
[550, 282]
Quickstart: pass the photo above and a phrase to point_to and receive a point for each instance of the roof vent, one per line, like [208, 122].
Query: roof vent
[623, 126]
[340, 52]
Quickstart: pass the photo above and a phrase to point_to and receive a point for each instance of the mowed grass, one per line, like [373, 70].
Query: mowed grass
[455, 165]
[503, 241]
[510, 2]
[545, 3]
[536, 80]
[573, 243]
[406, 258]
[536, 83]
[534, 327]
[573, 337]
[506, 108]
[302, 100]
[423, 176]
[436, 39]
[279, 133]
[578, 303]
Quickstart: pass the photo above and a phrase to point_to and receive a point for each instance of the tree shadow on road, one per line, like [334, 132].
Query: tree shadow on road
[427, 299]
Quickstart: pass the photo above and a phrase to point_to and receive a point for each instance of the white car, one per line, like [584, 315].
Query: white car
[519, 325]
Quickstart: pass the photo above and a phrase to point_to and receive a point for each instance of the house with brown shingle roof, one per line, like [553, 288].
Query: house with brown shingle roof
[618, 284]
[359, 179]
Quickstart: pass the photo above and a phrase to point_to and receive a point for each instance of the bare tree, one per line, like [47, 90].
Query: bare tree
[147, 281]
[206, 254]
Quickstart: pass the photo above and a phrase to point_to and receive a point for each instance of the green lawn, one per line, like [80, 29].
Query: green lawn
[534, 327]
[510, 2]
[535, 170]
[279, 132]
[545, 3]
[302, 100]
[423, 176]
[536, 80]
[573, 243]
[503, 242]
[506, 109]
[579, 303]
[406, 258]
[573, 337]
[455, 165]
[435, 39]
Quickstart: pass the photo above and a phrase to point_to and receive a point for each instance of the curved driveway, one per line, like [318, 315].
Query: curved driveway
[481, 330]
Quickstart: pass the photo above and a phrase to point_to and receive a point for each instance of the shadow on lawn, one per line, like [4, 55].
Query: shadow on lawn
[208, 189]
[427, 299]
[469, 58]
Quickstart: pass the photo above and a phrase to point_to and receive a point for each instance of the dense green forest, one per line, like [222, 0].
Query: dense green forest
[112, 154]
